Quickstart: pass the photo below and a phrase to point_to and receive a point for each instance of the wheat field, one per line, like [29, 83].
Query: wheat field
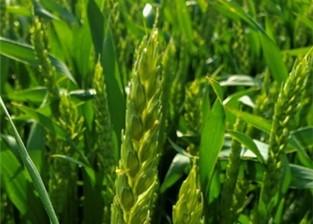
[156, 112]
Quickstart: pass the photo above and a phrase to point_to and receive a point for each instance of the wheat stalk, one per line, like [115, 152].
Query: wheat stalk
[230, 182]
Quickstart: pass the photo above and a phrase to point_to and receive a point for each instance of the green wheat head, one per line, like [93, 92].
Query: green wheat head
[63, 174]
[192, 107]
[189, 206]
[137, 179]
[46, 71]
[240, 49]
[285, 109]
[3, 16]
[103, 147]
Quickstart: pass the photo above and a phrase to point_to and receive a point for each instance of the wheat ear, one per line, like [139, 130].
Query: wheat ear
[137, 180]
[285, 108]
[189, 206]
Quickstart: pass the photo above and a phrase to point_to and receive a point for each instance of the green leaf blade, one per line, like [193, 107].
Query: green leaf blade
[212, 139]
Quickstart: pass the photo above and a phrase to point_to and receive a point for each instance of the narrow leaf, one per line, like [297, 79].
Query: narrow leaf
[252, 119]
[271, 52]
[302, 177]
[32, 170]
[35, 94]
[175, 171]
[25, 53]
[248, 143]
[212, 138]
[104, 46]
[216, 88]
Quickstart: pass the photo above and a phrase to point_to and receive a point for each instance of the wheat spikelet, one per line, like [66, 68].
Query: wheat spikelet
[285, 108]
[239, 197]
[240, 49]
[189, 206]
[192, 107]
[46, 71]
[62, 183]
[3, 17]
[137, 181]
[103, 147]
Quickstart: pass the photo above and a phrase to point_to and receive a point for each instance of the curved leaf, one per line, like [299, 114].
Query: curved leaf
[271, 52]
[302, 177]
[89, 171]
[254, 120]
[35, 94]
[175, 171]
[247, 142]
[25, 53]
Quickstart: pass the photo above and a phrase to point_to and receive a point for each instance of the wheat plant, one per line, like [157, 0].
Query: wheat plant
[156, 112]
[137, 179]
[285, 109]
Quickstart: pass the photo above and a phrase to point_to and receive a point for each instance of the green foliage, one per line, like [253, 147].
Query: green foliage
[129, 111]
[31, 168]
